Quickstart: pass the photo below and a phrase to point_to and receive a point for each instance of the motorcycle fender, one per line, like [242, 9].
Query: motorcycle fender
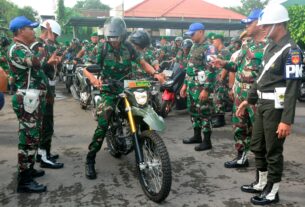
[150, 117]
[168, 96]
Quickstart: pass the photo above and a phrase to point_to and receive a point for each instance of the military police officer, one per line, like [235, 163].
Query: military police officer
[275, 93]
[198, 86]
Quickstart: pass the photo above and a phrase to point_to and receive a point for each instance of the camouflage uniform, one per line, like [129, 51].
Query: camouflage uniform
[21, 60]
[48, 117]
[149, 56]
[221, 88]
[175, 50]
[3, 60]
[90, 53]
[117, 66]
[247, 66]
[200, 111]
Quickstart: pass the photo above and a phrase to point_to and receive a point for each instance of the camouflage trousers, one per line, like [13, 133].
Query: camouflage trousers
[105, 107]
[29, 131]
[220, 94]
[200, 111]
[47, 123]
[242, 126]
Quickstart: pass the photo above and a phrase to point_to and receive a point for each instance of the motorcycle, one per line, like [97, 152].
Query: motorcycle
[78, 81]
[133, 126]
[67, 73]
[301, 97]
[171, 89]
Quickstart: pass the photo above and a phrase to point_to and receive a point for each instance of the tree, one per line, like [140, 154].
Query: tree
[248, 6]
[60, 12]
[28, 12]
[296, 24]
[91, 4]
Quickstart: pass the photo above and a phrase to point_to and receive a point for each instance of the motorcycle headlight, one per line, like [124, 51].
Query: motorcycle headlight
[70, 67]
[141, 97]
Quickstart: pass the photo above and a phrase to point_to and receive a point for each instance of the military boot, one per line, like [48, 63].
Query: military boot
[218, 121]
[26, 184]
[195, 139]
[90, 169]
[46, 162]
[50, 156]
[268, 195]
[258, 185]
[206, 142]
[241, 160]
[36, 173]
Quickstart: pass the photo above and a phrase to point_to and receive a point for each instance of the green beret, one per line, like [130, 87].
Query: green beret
[94, 34]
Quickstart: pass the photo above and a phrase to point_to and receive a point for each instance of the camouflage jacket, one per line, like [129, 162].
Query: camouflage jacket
[91, 51]
[198, 61]
[117, 63]
[175, 50]
[248, 62]
[21, 60]
[3, 60]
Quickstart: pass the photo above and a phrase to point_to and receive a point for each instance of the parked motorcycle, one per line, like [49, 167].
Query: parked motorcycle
[66, 73]
[133, 126]
[171, 89]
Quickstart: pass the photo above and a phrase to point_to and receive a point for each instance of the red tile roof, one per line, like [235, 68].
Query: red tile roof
[181, 8]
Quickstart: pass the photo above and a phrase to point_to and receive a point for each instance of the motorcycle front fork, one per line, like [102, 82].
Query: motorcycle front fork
[138, 151]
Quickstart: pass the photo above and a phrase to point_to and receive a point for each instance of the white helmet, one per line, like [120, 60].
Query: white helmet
[273, 14]
[55, 27]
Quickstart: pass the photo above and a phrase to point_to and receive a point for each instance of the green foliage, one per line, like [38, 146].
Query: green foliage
[91, 4]
[296, 24]
[9, 10]
[60, 12]
[248, 6]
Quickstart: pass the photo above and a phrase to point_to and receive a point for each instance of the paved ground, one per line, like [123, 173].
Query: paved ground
[199, 178]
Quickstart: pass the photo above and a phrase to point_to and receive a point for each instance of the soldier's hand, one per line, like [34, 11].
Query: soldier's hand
[160, 77]
[231, 94]
[240, 111]
[204, 95]
[97, 83]
[183, 91]
[218, 63]
[283, 130]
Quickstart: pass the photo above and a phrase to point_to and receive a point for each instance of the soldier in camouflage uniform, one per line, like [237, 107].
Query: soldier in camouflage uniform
[89, 51]
[176, 47]
[4, 43]
[50, 31]
[182, 55]
[28, 106]
[116, 62]
[220, 94]
[198, 85]
[141, 41]
[247, 66]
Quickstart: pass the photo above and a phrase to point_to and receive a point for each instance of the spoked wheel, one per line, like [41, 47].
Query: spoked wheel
[111, 144]
[155, 173]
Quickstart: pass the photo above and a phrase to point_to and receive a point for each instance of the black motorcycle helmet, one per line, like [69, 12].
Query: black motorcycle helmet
[140, 38]
[4, 41]
[187, 44]
[115, 29]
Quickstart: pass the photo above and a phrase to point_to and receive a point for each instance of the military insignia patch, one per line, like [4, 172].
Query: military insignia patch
[295, 59]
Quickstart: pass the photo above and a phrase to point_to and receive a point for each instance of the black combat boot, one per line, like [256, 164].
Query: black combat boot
[239, 161]
[26, 184]
[269, 195]
[258, 185]
[218, 121]
[195, 139]
[46, 162]
[206, 142]
[36, 173]
[90, 170]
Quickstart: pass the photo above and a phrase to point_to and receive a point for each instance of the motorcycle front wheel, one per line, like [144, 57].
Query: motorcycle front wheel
[155, 173]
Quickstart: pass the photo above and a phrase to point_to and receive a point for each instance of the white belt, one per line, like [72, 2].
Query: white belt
[52, 83]
[267, 96]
